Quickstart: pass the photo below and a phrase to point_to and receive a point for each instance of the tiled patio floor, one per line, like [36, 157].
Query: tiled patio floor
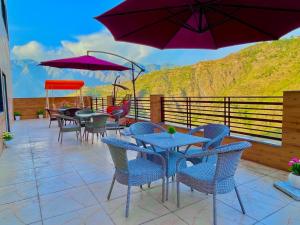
[43, 182]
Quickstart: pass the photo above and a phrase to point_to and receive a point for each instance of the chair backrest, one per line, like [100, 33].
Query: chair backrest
[126, 107]
[144, 128]
[51, 112]
[71, 112]
[228, 159]
[118, 150]
[215, 132]
[99, 121]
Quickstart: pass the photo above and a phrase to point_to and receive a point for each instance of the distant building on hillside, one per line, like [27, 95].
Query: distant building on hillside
[5, 73]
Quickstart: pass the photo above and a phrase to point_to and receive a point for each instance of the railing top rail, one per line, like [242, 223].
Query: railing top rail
[224, 96]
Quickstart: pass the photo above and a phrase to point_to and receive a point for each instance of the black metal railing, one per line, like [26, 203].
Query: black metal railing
[143, 106]
[256, 116]
[99, 103]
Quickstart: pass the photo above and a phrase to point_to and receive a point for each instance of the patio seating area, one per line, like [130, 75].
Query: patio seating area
[45, 182]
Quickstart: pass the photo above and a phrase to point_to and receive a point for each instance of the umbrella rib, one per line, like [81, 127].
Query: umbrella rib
[151, 24]
[259, 7]
[244, 23]
[145, 10]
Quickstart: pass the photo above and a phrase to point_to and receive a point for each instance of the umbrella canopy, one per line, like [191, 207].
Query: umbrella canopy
[85, 63]
[208, 24]
[63, 84]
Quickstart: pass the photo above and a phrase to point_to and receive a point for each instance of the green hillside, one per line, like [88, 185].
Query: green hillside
[262, 69]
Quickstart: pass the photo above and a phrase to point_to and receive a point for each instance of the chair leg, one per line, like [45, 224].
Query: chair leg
[215, 208]
[111, 187]
[127, 202]
[149, 185]
[240, 201]
[61, 137]
[167, 188]
[58, 136]
[178, 194]
[163, 190]
[50, 124]
[80, 135]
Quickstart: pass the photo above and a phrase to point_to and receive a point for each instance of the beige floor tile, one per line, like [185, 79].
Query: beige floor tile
[169, 219]
[201, 213]
[94, 215]
[53, 170]
[59, 183]
[20, 213]
[244, 175]
[17, 192]
[289, 215]
[101, 189]
[63, 202]
[258, 168]
[257, 204]
[96, 175]
[8, 177]
[187, 196]
[265, 185]
[142, 208]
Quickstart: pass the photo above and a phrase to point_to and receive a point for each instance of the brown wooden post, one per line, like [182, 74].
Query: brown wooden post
[291, 121]
[156, 108]
[109, 101]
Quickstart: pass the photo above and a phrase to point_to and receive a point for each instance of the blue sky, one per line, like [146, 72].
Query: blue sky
[42, 29]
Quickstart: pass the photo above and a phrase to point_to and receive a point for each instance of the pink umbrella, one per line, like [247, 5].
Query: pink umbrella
[85, 63]
[208, 24]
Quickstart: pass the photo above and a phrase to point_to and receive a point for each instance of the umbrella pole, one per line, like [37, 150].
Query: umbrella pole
[47, 100]
[134, 92]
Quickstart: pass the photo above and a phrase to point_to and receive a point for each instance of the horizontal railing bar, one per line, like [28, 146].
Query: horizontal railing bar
[256, 135]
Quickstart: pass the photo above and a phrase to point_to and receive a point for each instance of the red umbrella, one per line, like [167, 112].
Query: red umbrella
[209, 24]
[85, 63]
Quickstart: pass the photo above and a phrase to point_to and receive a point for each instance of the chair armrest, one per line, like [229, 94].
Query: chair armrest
[194, 130]
[200, 155]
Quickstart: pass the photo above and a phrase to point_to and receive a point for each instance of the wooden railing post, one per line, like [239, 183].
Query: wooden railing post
[156, 108]
[291, 122]
[109, 101]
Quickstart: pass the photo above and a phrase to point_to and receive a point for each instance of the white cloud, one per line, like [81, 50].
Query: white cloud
[101, 40]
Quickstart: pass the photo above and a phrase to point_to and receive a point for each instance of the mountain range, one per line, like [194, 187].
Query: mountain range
[29, 77]
[267, 68]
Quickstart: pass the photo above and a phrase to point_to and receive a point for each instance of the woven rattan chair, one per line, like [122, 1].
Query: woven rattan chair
[83, 111]
[213, 178]
[116, 115]
[215, 132]
[72, 127]
[96, 126]
[134, 172]
[149, 128]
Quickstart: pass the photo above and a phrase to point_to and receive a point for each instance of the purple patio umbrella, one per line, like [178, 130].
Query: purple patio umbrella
[207, 24]
[85, 62]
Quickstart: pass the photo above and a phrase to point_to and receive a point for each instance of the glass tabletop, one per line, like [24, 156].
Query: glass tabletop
[166, 141]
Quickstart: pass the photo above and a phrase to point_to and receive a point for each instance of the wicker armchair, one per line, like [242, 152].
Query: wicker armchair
[115, 124]
[215, 132]
[213, 178]
[83, 111]
[63, 127]
[96, 126]
[149, 128]
[134, 172]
